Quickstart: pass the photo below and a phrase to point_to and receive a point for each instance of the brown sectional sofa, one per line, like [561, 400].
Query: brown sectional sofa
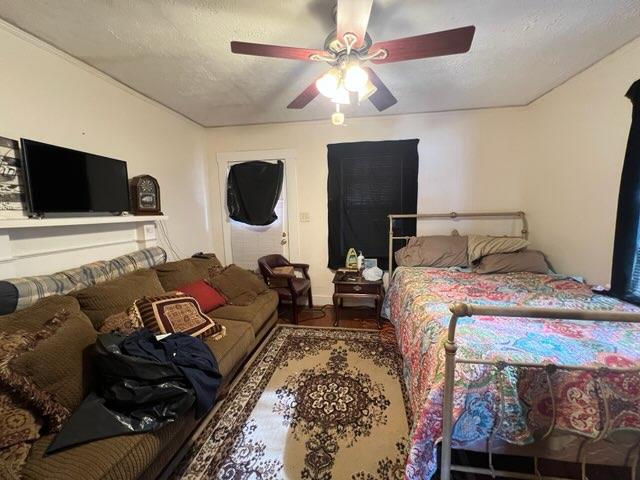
[141, 455]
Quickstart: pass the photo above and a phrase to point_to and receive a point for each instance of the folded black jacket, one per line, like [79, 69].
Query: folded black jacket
[142, 384]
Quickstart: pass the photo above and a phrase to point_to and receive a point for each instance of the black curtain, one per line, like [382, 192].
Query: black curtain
[253, 190]
[368, 181]
[625, 275]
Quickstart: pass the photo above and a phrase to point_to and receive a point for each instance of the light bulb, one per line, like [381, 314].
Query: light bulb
[341, 96]
[328, 83]
[355, 78]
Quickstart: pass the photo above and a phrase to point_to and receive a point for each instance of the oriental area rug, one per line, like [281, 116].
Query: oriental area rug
[313, 404]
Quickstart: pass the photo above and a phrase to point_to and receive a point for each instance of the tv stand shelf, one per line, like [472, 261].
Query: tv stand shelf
[13, 223]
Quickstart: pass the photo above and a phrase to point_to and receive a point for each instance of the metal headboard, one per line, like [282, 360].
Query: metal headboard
[452, 216]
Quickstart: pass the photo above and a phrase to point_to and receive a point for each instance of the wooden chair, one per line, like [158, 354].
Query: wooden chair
[289, 287]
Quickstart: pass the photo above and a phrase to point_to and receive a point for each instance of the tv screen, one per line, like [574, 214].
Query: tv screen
[61, 180]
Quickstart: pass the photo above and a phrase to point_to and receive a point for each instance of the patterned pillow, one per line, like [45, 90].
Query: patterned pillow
[123, 322]
[12, 459]
[172, 313]
[12, 347]
[17, 423]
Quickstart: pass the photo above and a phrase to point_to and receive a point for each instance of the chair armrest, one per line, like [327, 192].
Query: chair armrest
[304, 267]
[288, 278]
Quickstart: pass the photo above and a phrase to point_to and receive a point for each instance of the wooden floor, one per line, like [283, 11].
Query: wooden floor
[323, 316]
[364, 317]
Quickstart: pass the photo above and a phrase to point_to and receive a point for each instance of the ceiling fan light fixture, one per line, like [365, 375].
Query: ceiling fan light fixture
[355, 78]
[341, 96]
[328, 84]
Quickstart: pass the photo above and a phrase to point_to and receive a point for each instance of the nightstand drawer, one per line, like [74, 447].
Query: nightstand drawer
[357, 288]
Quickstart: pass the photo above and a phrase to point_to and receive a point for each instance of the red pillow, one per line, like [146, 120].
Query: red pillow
[207, 297]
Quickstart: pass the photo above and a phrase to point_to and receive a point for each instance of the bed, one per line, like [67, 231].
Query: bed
[536, 357]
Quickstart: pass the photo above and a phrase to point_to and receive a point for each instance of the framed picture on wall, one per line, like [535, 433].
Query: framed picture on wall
[12, 198]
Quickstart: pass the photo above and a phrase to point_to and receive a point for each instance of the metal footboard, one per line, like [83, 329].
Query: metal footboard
[461, 310]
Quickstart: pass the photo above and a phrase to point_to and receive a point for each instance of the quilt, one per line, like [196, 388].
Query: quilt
[514, 404]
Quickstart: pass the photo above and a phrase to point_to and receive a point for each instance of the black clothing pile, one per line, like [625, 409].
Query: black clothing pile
[142, 384]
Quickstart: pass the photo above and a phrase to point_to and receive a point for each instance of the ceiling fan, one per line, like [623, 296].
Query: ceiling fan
[348, 48]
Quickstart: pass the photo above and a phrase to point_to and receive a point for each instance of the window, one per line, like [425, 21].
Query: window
[368, 181]
[625, 275]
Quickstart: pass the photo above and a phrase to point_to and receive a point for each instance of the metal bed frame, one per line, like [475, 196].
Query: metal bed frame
[462, 310]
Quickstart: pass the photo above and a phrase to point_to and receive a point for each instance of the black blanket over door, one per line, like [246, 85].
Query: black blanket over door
[253, 190]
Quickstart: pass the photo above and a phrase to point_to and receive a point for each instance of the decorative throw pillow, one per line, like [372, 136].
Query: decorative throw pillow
[172, 313]
[15, 345]
[207, 297]
[480, 245]
[525, 261]
[123, 322]
[282, 282]
[17, 422]
[12, 459]
[237, 285]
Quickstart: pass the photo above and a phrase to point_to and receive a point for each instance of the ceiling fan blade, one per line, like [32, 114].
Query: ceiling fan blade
[305, 97]
[352, 16]
[447, 42]
[382, 98]
[277, 51]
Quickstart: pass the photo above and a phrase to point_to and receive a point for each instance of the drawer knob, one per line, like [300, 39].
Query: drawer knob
[357, 288]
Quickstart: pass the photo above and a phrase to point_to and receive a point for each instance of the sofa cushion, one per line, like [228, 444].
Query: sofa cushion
[174, 274]
[239, 286]
[118, 458]
[207, 265]
[32, 319]
[256, 313]
[233, 348]
[104, 299]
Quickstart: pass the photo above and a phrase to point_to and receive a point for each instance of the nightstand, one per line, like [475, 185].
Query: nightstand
[352, 285]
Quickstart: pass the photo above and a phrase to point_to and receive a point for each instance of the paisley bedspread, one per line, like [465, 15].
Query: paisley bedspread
[509, 403]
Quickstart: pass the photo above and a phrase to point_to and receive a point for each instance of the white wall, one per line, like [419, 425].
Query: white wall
[468, 161]
[578, 135]
[46, 95]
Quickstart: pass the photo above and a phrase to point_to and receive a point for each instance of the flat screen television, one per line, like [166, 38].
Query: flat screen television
[61, 180]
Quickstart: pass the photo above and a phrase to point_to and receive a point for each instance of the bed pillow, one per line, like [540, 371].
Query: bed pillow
[481, 245]
[207, 297]
[440, 251]
[525, 261]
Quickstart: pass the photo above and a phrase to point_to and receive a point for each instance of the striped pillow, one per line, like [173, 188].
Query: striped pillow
[174, 312]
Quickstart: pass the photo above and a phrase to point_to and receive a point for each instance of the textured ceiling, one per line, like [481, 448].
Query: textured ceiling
[177, 51]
